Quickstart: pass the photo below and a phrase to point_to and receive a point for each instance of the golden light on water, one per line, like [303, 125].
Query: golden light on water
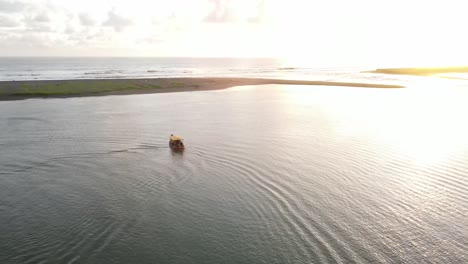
[423, 137]
[423, 123]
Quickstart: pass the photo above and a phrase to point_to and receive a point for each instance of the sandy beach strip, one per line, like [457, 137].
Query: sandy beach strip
[18, 90]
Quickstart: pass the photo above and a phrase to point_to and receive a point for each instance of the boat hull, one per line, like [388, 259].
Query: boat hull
[176, 147]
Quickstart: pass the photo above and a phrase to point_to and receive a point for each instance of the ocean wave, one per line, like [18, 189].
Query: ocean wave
[106, 72]
[22, 74]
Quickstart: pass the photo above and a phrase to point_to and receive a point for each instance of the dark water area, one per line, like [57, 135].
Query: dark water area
[270, 174]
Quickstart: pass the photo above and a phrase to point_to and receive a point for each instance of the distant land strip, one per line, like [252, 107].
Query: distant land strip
[18, 90]
[423, 71]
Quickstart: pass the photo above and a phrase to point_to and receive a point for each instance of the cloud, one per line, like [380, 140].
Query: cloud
[21, 41]
[119, 23]
[227, 11]
[11, 6]
[260, 13]
[39, 28]
[220, 13]
[150, 40]
[8, 22]
[70, 30]
[41, 18]
[86, 20]
[38, 22]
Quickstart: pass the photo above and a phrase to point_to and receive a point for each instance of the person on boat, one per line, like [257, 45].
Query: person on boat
[175, 142]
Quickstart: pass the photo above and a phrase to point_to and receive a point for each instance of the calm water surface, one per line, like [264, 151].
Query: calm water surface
[271, 174]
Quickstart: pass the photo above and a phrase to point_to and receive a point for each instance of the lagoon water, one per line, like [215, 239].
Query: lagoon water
[271, 174]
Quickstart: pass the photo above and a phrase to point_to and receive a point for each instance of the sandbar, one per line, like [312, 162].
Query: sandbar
[422, 71]
[18, 90]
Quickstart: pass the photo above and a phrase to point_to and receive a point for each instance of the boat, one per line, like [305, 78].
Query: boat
[176, 143]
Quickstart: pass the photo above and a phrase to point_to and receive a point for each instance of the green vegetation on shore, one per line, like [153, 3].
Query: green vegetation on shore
[62, 88]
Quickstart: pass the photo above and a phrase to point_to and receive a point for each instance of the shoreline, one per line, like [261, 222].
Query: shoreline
[20, 90]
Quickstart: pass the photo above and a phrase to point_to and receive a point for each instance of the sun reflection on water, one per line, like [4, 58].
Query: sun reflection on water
[425, 123]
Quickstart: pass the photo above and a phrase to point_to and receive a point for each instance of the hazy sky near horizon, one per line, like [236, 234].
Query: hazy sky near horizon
[328, 32]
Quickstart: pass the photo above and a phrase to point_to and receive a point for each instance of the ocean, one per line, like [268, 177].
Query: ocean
[270, 174]
[62, 68]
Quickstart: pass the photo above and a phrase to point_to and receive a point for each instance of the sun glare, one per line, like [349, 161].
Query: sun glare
[422, 126]
[362, 32]
[318, 33]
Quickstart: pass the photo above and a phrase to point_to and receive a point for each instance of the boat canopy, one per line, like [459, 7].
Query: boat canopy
[176, 138]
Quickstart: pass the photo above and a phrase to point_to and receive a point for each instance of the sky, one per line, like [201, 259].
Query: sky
[397, 32]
